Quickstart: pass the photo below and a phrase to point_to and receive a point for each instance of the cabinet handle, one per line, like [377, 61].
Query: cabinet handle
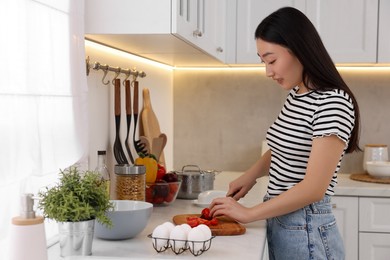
[219, 49]
[334, 206]
[197, 33]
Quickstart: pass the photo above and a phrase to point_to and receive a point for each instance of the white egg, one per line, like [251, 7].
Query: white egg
[206, 230]
[186, 228]
[177, 238]
[160, 237]
[196, 237]
[207, 233]
[169, 225]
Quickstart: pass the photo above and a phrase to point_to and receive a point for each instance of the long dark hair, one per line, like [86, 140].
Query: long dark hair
[291, 29]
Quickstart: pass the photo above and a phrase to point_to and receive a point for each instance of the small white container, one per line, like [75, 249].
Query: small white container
[379, 169]
[375, 152]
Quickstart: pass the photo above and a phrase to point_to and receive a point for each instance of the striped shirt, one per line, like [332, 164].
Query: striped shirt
[304, 117]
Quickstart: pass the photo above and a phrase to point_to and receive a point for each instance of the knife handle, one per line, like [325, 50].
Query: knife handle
[117, 97]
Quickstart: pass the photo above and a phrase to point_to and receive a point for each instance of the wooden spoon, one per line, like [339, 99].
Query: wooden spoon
[158, 145]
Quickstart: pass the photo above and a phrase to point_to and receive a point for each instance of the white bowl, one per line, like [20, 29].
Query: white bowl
[129, 218]
[206, 197]
[379, 169]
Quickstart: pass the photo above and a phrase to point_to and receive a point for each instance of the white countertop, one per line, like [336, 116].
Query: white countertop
[348, 187]
[223, 247]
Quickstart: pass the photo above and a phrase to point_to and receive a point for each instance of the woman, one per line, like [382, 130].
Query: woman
[318, 124]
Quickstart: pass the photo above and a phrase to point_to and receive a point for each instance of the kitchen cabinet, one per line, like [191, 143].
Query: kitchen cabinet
[249, 14]
[202, 23]
[175, 32]
[345, 210]
[384, 32]
[364, 225]
[348, 28]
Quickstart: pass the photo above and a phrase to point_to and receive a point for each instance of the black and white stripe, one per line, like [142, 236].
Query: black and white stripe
[304, 117]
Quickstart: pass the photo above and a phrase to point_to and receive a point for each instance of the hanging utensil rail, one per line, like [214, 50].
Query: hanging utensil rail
[118, 70]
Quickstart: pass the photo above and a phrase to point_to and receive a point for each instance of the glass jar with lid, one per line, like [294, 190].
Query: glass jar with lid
[130, 182]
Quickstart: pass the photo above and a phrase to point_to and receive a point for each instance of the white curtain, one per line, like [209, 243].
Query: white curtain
[43, 97]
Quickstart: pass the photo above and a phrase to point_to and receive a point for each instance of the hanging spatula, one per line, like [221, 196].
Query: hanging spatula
[119, 154]
[139, 147]
[128, 118]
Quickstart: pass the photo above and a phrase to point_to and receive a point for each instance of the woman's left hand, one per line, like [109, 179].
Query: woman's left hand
[229, 207]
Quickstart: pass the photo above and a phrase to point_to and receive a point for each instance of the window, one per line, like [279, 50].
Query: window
[43, 97]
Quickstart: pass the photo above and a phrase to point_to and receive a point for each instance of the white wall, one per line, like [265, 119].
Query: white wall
[101, 106]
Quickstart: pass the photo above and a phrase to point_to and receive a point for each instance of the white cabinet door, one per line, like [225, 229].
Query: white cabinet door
[127, 17]
[384, 32]
[202, 23]
[346, 212]
[348, 28]
[374, 215]
[185, 19]
[374, 246]
[249, 14]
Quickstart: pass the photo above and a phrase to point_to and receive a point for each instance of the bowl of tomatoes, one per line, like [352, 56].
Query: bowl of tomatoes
[163, 191]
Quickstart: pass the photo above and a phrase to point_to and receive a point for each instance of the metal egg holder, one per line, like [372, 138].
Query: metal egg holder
[189, 245]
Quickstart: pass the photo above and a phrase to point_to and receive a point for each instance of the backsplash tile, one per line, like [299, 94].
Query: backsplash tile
[221, 116]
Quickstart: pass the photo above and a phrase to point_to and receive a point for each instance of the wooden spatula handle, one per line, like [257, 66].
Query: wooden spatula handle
[135, 103]
[128, 97]
[117, 97]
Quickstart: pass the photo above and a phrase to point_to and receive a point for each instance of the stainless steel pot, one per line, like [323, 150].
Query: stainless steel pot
[194, 181]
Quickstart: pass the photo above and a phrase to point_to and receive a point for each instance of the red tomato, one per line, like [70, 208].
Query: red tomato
[206, 214]
[149, 194]
[173, 187]
[160, 172]
[158, 200]
[170, 197]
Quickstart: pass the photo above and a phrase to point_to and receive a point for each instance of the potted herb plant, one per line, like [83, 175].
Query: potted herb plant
[75, 203]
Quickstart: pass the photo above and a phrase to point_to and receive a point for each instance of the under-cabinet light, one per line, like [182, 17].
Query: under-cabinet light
[126, 55]
[341, 67]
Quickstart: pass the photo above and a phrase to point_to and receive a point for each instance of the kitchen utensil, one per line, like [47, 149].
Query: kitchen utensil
[225, 227]
[139, 147]
[119, 154]
[128, 119]
[150, 124]
[158, 145]
[375, 152]
[194, 181]
[145, 142]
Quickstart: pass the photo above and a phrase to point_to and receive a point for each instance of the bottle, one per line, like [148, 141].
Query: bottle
[27, 233]
[103, 170]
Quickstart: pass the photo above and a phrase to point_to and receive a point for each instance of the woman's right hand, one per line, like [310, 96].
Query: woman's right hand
[241, 186]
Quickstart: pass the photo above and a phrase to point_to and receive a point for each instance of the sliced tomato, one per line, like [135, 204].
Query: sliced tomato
[204, 221]
[193, 221]
[214, 222]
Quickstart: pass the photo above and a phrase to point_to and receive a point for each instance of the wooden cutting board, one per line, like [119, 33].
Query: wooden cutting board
[149, 125]
[225, 227]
